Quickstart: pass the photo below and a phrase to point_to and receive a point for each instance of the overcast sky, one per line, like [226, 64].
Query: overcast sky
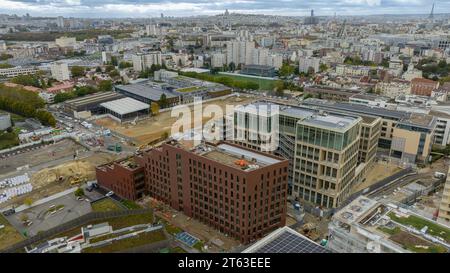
[153, 8]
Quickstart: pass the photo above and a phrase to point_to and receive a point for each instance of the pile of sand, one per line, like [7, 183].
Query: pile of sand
[79, 169]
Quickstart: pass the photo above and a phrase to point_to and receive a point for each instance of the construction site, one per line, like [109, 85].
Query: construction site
[150, 130]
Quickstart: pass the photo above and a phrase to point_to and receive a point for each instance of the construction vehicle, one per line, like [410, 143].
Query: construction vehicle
[76, 180]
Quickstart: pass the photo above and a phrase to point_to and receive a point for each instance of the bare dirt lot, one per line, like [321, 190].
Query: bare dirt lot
[379, 171]
[45, 182]
[40, 155]
[151, 129]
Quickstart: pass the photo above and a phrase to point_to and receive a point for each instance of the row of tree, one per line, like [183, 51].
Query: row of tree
[228, 81]
[103, 86]
[26, 108]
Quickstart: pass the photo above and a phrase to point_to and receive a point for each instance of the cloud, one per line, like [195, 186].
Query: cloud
[152, 8]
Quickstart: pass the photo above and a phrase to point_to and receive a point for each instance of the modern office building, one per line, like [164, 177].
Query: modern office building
[142, 61]
[238, 191]
[406, 136]
[258, 70]
[322, 148]
[60, 71]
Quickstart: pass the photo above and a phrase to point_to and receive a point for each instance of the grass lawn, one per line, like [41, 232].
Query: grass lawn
[416, 244]
[116, 223]
[177, 250]
[390, 231]
[173, 229]
[141, 239]
[8, 235]
[130, 204]
[106, 204]
[199, 246]
[263, 83]
[418, 223]
[8, 140]
[189, 89]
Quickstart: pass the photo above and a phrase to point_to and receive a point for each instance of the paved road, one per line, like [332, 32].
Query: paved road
[43, 220]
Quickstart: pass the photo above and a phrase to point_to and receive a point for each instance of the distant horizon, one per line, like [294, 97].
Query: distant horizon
[123, 9]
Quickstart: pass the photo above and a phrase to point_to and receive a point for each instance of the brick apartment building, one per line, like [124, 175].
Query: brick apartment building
[237, 191]
[124, 177]
[423, 87]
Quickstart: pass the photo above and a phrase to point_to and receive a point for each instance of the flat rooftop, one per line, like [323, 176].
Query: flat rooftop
[357, 108]
[125, 106]
[147, 89]
[101, 96]
[236, 157]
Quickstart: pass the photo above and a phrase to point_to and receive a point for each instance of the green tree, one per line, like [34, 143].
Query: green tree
[114, 73]
[79, 192]
[105, 85]
[77, 71]
[163, 103]
[124, 64]
[286, 70]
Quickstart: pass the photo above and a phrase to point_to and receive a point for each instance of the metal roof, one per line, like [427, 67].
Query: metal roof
[145, 90]
[125, 106]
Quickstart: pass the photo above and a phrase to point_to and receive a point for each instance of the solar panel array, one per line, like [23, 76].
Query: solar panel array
[291, 243]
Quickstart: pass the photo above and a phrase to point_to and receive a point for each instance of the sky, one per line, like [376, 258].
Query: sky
[153, 8]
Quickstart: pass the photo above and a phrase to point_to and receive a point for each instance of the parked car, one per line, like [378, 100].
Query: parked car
[109, 193]
[9, 212]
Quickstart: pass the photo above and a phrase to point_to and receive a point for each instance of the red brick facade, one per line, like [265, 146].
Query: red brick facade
[243, 204]
[127, 182]
[423, 87]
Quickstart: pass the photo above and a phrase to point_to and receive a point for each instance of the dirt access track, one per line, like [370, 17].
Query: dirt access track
[151, 129]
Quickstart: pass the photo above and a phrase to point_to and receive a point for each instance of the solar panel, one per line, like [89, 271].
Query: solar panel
[291, 243]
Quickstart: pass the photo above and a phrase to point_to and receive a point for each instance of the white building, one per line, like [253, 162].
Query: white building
[218, 60]
[240, 52]
[393, 89]
[60, 21]
[151, 30]
[2, 45]
[16, 71]
[275, 60]
[66, 41]
[304, 63]
[412, 73]
[260, 56]
[60, 71]
[141, 61]
[163, 74]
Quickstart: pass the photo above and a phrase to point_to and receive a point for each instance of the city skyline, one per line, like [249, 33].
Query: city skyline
[182, 8]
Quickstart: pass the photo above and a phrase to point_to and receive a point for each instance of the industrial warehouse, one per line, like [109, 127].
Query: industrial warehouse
[125, 109]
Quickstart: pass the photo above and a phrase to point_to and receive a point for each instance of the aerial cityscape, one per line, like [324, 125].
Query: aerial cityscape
[224, 127]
